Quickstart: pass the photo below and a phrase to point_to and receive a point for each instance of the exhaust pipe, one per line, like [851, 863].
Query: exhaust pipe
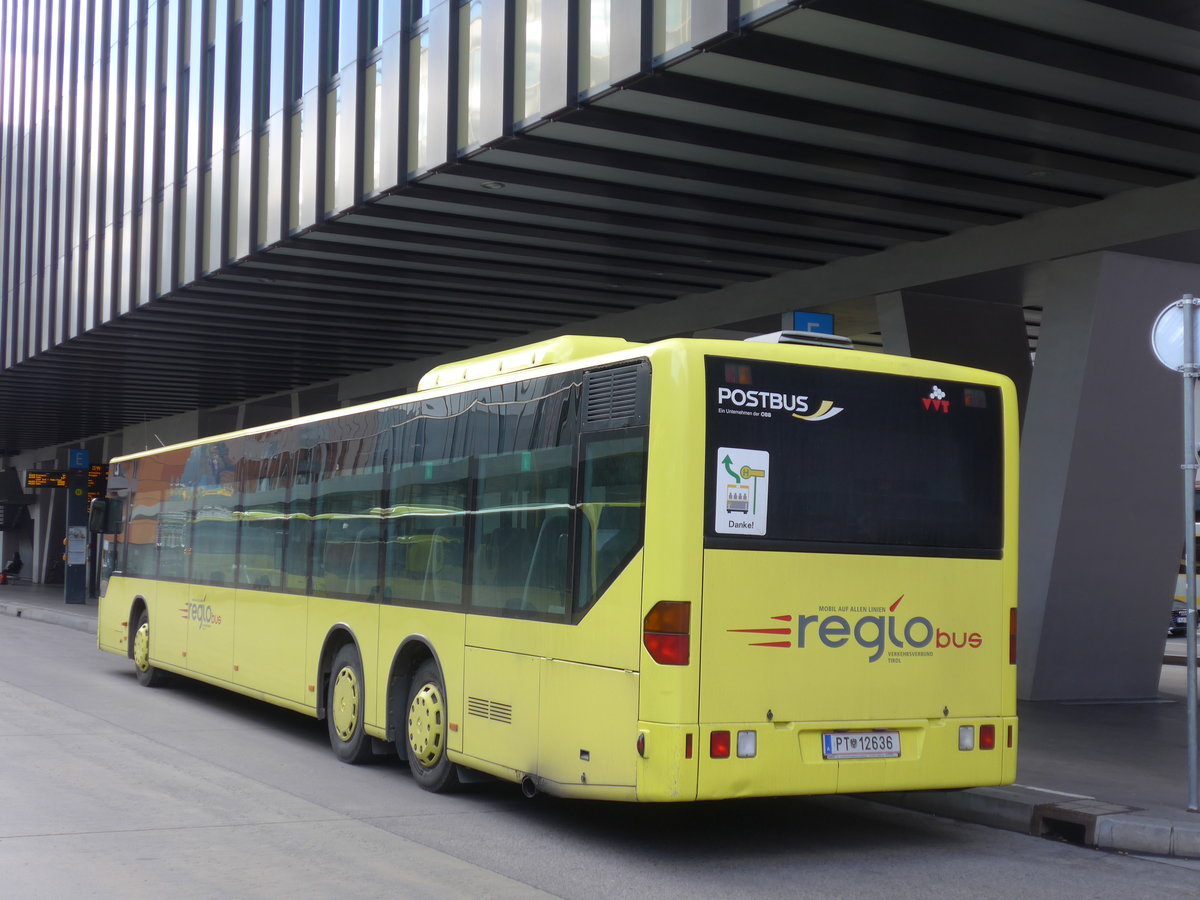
[529, 787]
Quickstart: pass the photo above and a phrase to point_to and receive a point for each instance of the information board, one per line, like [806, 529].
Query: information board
[43, 478]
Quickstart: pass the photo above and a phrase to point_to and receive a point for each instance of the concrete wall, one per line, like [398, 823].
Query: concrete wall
[1101, 489]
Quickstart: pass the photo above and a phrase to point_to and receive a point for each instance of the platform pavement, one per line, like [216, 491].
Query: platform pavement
[1106, 775]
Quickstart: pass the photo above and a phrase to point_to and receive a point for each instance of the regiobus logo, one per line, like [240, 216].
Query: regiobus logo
[876, 629]
[201, 613]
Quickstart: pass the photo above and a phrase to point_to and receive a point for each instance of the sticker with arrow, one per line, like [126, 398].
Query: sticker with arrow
[742, 476]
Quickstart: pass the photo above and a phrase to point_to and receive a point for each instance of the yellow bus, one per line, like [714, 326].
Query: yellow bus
[683, 570]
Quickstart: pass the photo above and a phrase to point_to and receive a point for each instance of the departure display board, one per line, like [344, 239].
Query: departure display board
[41, 478]
[45, 479]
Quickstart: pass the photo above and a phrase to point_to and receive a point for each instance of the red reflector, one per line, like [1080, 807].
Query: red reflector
[687, 746]
[987, 737]
[641, 745]
[665, 632]
[1012, 636]
[1010, 736]
[668, 649]
[718, 745]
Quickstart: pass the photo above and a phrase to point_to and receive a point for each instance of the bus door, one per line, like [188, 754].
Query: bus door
[209, 606]
[157, 548]
[272, 620]
[210, 614]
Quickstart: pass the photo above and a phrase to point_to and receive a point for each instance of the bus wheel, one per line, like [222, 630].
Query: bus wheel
[147, 675]
[345, 712]
[426, 731]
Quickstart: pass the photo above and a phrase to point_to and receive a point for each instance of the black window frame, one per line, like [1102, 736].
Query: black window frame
[991, 542]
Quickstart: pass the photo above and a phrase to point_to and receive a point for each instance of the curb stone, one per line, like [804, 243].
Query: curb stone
[50, 616]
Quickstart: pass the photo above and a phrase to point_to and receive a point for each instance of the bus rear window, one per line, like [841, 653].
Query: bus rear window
[836, 460]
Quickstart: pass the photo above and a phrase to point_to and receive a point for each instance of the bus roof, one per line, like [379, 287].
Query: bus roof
[566, 349]
[545, 353]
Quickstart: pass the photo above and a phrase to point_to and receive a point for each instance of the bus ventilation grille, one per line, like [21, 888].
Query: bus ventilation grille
[611, 394]
[489, 709]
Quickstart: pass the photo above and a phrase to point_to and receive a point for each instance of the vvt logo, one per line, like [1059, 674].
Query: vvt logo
[879, 630]
[936, 400]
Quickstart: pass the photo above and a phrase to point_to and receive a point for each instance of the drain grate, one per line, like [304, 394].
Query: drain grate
[1073, 821]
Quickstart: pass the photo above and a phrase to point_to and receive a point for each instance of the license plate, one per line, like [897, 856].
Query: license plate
[861, 744]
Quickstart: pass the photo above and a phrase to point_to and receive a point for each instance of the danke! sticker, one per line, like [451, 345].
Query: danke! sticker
[742, 481]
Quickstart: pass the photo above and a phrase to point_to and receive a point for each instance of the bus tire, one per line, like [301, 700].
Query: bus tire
[147, 675]
[426, 729]
[345, 711]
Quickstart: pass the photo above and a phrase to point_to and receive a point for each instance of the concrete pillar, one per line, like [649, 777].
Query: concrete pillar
[1101, 503]
[50, 527]
[977, 333]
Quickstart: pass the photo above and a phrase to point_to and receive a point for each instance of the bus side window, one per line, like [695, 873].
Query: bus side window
[613, 509]
[503, 565]
[618, 537]
[547, 584]
[523, 510]
[425, 522]
[173, 512]
[348, 546]
[444, 569]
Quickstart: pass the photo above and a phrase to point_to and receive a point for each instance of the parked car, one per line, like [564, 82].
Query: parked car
[1178, 624]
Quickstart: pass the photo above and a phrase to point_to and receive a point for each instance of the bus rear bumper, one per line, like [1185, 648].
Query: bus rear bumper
[773, 759]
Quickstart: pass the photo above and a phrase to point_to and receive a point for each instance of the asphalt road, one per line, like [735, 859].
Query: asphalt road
[108, 789]
[1176, 646]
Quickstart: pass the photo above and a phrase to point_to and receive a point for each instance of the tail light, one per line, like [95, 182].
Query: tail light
[987, 737]
[666, 632]
[1012, 636]
[718, 745]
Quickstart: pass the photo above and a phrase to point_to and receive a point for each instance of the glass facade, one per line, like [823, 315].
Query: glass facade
[596, 46]
[470, 87]
[148, 143]
[529, 59]
[419, 145]
[672, 25]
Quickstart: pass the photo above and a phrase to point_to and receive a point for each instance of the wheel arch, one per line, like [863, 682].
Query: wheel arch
[136, 608]
[413, 650]
[338, 637]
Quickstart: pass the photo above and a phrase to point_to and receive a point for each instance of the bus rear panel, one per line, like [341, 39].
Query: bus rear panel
[853, 626]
